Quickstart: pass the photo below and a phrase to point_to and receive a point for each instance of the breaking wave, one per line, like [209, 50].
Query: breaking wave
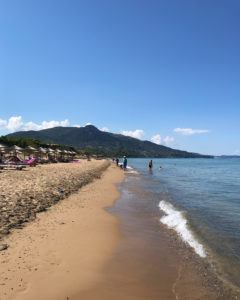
[175, 220]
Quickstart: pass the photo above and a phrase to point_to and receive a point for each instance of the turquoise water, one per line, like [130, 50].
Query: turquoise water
[200, 199]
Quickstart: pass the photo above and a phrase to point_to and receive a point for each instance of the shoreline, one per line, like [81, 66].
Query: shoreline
[151, 260]
[208, 267]
[199, 272]
[63, 250]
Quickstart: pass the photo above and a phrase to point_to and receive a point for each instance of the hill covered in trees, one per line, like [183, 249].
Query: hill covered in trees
[94, 141]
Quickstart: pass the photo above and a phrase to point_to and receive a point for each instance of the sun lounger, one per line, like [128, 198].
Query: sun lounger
[30, 162]
[12, 167]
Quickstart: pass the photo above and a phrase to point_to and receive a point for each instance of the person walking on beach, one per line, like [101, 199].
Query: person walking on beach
[124, 162]
[150, 165]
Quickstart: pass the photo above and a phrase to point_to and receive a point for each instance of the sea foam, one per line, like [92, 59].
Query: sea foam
[131, 170]
[175, 220]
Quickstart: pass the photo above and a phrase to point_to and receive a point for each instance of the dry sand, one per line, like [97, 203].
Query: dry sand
[25, 193]
[64, 249]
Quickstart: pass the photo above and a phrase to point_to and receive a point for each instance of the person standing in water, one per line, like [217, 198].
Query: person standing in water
[124, 162]
[150, 165]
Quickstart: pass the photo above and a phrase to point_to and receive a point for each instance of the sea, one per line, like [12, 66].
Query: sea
[198, 199]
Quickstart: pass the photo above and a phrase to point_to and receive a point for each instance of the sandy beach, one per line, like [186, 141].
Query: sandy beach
[63, 250]
[25, 193]
[90, 246]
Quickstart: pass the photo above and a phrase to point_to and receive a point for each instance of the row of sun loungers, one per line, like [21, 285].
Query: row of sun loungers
[12, 167]
[11, 158]
[15, 163]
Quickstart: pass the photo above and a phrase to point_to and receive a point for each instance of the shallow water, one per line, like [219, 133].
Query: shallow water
[200, 199]
[146, 263]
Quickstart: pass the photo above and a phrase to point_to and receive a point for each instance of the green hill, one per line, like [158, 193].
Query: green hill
[93, 140]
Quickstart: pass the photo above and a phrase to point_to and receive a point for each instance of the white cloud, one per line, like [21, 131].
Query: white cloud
[45, 125]
[88, 124]
[190, 131]
[157, 139]
[3, 123]
[12, 124]
[138, 133]
[168, 140]
[77, 125]
[32, 126]
[16, 123]
[236, 152]
[106, 129]
[51, 124]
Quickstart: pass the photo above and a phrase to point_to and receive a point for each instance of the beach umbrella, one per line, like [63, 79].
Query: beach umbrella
[65, 152]
[16, 148]
[31, 149]
[69, 153]
[73, 154]
[3, 148]
[51, 153]
[58, 153]
[43, 150]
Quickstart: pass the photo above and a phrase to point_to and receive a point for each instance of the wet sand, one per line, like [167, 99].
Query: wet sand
[151, 261]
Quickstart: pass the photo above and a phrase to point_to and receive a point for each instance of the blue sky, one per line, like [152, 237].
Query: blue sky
[162, 70]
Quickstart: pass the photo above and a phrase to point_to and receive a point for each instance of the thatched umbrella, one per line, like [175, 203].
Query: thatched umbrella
[50, 153]
[3, 149]
[72, 154]
[42, 151]
[65, 153]
[58, 153]
[16, 149]
[30, 150]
